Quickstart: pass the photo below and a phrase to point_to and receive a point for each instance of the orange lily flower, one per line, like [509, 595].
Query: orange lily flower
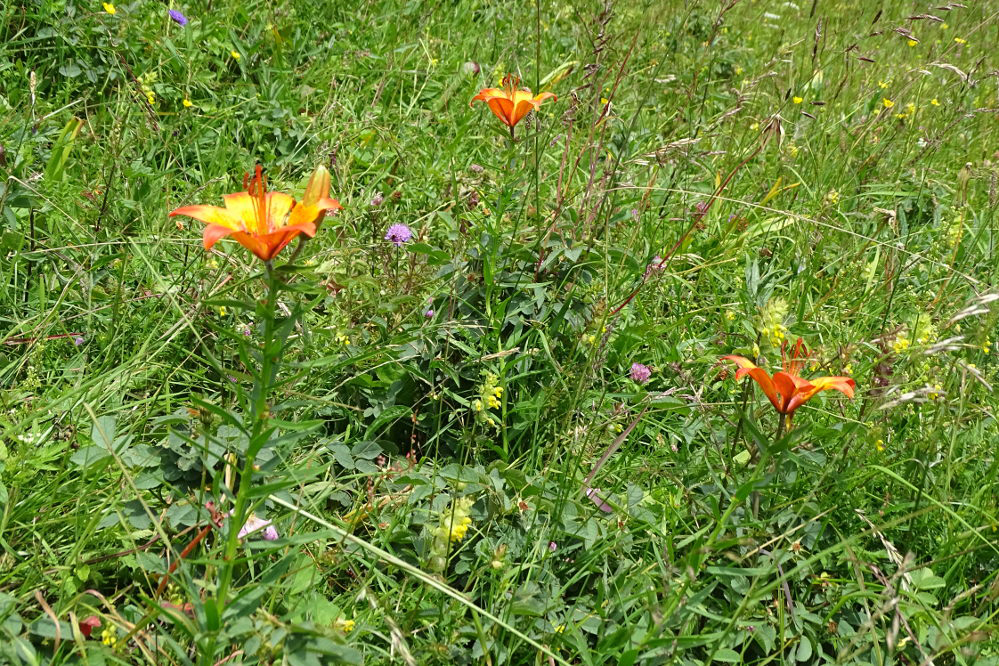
[264, 222]
[787, 390]
[509, 104]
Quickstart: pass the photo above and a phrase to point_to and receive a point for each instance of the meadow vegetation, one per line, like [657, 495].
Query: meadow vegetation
[504, 407]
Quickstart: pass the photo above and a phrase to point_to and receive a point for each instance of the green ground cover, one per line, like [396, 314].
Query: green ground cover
[459, 458]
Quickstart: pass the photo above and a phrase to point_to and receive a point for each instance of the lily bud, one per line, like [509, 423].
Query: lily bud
[318, 187]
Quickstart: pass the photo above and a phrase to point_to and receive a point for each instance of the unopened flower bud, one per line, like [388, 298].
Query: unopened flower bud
[318, 187]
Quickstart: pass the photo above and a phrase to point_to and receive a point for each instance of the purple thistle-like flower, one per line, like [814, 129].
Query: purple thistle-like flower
[177, 16]
[78, 340]
[399, 234]
[640, 373]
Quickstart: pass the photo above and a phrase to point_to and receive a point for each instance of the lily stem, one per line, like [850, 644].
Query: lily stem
[259, 431]
[781, 431]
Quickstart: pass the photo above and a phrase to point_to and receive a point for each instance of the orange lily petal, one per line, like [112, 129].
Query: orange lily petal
[302, 213]
[279, 205]
[545, 95]
[213, 232]
[209, 215]
[486, 94]
[759, 375]
[275, 241]
[502, 108]
[253, 244]
[244, 207]
[844, 385]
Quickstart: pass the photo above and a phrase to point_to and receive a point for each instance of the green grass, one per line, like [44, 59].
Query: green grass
[825, 170]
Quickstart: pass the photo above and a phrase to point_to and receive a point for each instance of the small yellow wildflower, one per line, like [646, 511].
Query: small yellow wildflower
[944, 26]
[109, 8]
[960, 41]
[346, 626]
[187, 103]
[880, 445]
[223, 310]
[738, 70]
[832, 197]
[901, 344]
[934, 392]
[730, 315]
[110, 634]
[912, 42]
[559, 629]
[887, 103]
[604, 101]
[235, 54]
[901, 116]
[883, 84]
[935, 102]
[797, 100]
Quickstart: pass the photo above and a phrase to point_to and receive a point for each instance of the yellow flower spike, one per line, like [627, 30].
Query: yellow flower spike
[109, 8]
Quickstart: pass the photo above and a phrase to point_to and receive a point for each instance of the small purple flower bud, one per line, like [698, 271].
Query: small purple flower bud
[428, 314]
[640, 373]
[78, 340]
[178, 17]
[476, 168]
[378, 200]
[552, 546]
[399, 234]
[634, 213]
[471, 67]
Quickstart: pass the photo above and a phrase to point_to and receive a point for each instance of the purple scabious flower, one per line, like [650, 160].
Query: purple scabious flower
[177, 16]
[399, 234]
[640, 373]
